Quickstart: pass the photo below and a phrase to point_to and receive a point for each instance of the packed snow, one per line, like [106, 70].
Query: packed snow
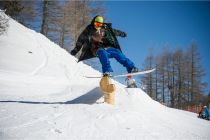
[44, 95]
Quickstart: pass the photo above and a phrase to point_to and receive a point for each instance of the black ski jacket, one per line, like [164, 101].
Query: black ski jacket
[84, 40]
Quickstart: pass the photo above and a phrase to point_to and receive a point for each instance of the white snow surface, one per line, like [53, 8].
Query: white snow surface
[44, 95]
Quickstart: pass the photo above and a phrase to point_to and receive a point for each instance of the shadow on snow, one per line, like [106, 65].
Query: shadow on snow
[89, 98]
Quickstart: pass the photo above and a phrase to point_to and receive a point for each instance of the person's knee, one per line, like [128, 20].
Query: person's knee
[100, 52]
[111, 49]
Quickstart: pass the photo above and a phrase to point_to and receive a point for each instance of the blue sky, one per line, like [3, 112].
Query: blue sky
[158, 24]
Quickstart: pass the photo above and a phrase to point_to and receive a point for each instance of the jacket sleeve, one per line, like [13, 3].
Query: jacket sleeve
[83, 37]
[119, 33]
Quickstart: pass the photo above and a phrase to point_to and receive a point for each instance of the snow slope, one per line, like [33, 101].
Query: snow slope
[43, 95]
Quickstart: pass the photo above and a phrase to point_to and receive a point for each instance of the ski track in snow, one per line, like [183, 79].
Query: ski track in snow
[45, 61]
[50, 99]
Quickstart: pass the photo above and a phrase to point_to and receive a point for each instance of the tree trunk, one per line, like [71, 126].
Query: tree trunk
[44, 18]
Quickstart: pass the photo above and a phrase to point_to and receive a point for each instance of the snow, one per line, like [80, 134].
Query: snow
[44, 95]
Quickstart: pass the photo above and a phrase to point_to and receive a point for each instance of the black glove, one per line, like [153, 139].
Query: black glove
[73, 52]
[123, 34]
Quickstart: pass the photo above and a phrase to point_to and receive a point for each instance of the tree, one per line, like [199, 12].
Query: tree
[3, 22]
[162, 73]
[156, 81]
[169, 70]
[149, 80]
[76, 16]
[63, 26]
[179, 69]
[20, 10]
[195, 74]
[51, 22]
[12, 7]
[208, 100]
[45, 13]
[96, 8]
[28, 13]
[171, 86]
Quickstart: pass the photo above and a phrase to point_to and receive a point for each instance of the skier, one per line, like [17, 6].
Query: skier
[99, 40]
[206, 112]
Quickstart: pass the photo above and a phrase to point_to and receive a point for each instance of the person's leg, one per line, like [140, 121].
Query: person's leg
[121, 58]
[104, 59]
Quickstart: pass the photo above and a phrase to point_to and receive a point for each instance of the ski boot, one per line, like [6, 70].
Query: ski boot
[106, 74]
[134, 69]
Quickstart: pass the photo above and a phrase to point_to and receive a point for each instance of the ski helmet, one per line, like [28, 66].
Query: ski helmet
[98, 22]
[99, 19]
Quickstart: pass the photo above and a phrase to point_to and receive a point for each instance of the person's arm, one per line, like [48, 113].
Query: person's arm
[80, 41]
[119, 33]
[115, 31]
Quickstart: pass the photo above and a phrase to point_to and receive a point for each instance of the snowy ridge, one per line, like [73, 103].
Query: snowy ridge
[44, 95]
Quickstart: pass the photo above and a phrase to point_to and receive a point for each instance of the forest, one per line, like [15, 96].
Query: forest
[178, 79]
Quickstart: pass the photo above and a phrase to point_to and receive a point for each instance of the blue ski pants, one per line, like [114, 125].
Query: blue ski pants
[105, 54]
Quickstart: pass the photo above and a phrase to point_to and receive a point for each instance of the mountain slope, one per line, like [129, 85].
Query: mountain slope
[43, 95]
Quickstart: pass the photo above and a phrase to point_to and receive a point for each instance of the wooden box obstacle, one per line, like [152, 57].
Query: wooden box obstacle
[108, 89]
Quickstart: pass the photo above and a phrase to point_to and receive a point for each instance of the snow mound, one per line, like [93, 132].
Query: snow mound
[44, 95]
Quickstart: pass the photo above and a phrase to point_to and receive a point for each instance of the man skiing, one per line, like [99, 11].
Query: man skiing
[204, 113]
[99, 40]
